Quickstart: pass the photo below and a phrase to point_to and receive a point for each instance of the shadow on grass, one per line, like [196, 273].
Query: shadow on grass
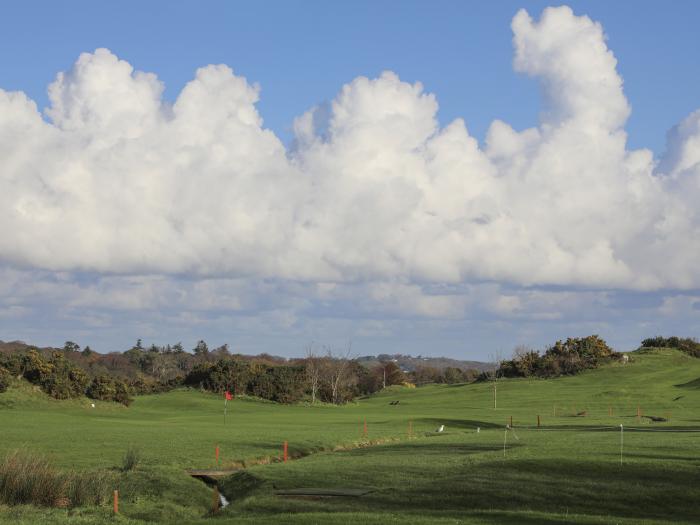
[635, 491]
[694, 384]
[432, 477]
[466, 424]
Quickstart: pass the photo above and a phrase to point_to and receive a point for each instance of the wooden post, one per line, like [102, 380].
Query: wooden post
[511, 421]
[216, 455]
[116, 502]
[285, 451]
[538, 421]
[555, 410]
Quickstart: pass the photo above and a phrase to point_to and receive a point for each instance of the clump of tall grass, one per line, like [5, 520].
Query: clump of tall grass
[89, 488]
[131, 459]
[31, 479]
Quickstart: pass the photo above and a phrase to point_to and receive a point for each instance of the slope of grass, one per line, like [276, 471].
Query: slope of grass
[568, 471]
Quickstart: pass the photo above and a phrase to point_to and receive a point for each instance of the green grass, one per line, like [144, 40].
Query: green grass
[568, 471]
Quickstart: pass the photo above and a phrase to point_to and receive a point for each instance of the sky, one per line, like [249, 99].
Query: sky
[435, 178]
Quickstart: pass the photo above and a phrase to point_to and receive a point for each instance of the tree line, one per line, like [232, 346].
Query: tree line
[323, 375]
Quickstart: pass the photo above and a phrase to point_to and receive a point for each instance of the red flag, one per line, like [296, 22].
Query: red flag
[229, 397]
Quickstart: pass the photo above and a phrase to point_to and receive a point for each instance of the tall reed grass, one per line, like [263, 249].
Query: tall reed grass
[27, 478]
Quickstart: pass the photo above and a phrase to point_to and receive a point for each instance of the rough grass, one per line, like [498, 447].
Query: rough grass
[27, 478]
[131, 459]
[568, 471]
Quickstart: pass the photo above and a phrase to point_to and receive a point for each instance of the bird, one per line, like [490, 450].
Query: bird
[440, 428]
[92, 405]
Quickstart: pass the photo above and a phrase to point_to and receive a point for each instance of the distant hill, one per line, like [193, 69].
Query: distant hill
[410, 363]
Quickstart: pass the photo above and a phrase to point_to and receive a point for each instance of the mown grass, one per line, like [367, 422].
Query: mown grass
[568, 471]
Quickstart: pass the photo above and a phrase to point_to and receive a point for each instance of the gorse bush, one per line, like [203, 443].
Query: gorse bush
[107, 388]
[5, 378]
[61, 379]
[563, 358]
[684, 344]
[31, 479]
[281, 383]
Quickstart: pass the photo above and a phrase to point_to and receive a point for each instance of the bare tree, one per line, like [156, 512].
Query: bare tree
[314, 365]
[338, 368]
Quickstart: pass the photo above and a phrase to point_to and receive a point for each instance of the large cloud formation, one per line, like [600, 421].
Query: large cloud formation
[117, 181]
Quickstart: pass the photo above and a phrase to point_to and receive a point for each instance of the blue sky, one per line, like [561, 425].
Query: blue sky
[300, 52]
[127, 245]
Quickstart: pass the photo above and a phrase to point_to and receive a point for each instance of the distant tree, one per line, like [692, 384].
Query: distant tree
[453, 375]
[70, 346]
[426, 374]
[87, 351]
[391, 374]
[201, 350]
[313, 364]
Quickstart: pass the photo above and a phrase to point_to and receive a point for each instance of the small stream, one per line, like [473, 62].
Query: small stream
[212, 482]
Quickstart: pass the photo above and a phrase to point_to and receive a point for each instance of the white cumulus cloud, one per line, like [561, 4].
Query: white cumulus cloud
[115, 180]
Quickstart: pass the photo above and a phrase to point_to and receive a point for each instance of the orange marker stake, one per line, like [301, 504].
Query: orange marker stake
[216, 455]
[365, 427]
[116, 502]
[285, 451]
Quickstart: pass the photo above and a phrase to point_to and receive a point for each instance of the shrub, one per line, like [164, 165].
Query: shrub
[684, 344]
[106, 388]
[563, 358]
[5, 378]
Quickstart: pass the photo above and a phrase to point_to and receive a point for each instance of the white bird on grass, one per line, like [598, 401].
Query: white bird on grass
[440, 428]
